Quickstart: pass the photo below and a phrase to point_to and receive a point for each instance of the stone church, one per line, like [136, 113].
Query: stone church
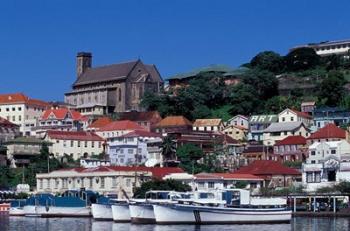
[111, 88]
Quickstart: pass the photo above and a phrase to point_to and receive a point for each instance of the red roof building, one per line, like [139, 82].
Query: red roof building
[173, 124]
[147, 120]
[99, 123]
[70, 135]
[274, 173]
[291, 148]
[330, 132]
[118, 128]
[8, 130]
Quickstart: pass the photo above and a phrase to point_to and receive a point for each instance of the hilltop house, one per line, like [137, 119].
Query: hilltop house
[279, 131]
[239, 120]
[290, 115]
[327, 48]
[111, 88]
[326, 115]
[21, 110]
[210, 125]
[330, 132]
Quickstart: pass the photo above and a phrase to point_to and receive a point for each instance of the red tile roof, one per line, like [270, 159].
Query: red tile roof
[141, 133]
[100, 122]
[20, 98]
[140, 116]
[61, 113]
[292, 140]
[70, 135]
[157, 172]
[121, 125]
[5, 123]
[302, 114]
[174, 121]
[227, 176]
[328, 131]
[267, 167]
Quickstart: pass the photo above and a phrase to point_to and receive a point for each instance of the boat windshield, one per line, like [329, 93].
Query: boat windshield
[157, 195]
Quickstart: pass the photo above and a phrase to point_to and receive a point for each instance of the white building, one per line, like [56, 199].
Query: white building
[289, 115]
[62, 119]
[103, 179]
[118, 128]
[327, 164]
[75, 144]
[280, 131]
[340, 47]
[135, 148]
[238, 120]
[21, 110]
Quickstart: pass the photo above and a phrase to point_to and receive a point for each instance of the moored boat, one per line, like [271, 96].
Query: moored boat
[240, 208]
[121, 212]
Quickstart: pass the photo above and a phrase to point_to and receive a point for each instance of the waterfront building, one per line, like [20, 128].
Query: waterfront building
[103, 179]
[118, 128]
[173, 124]
[21, 149]
[291, 115]
[239, 120]
[75, 144]
[326, 115]
[210, 125]
[291, 148]
[257, 125]
[62, 119]
[21, 110]
[274, 173]
[147, 120]
[135, 147]
[329, 132]
[327, 48]
[211, 181]
[328, 163]
[111, 88]
[8, 130]
[279, 131]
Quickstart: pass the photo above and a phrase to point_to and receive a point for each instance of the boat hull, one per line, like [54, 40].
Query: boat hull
[101, 212]
[142, 214]
[121, 213]
[16, 211]
[187, 214]
[55, 211]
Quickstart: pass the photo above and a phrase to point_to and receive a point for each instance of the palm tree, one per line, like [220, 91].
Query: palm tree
[168, 148]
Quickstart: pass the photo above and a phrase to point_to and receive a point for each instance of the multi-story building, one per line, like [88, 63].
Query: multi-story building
[257, 125]
[239, 120]
[290, 115]
[104, 179]
[326, 115]
[99, 123]
[61, 119]
[118, 128]
[308, 107]
[21, 110]
[279, 131]
[328, 163]
[135, 148]
[326, 48]
[236, 132]
[173, 124]
[210, 125]
[75, 144]
[111, 88]
[291, 148]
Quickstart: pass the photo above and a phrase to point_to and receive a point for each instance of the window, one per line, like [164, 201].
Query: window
[120, 95]
[313, 162]
[40, 184]
[309, 177]
[114, 182]
[128, 182]
[19, 118]
[86, 144]
[333, 151]
[78, 143]
[200, 185]
[317, 177]
[13, 109]
[99, 144]
[130, 151]
[211, 184]
[13, 118]
[102, 182]
[91, 182]
[19, 109]
[57, 182]
[283, 119]
[292, 118]
[72, 143]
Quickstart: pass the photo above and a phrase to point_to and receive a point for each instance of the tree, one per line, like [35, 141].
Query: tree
[189, 154]
[268, 60]
[167, 185]
[331, 89]
[302, 59]
[244, 100]
[168, 148]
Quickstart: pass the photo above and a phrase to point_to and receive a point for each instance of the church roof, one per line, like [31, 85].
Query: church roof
[111, 72]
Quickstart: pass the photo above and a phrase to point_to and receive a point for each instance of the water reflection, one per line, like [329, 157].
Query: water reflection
[83, 224]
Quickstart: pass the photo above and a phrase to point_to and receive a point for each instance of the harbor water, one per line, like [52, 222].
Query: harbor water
[88, 224]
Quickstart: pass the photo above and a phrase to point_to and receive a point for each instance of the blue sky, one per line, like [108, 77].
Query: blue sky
[39, 39]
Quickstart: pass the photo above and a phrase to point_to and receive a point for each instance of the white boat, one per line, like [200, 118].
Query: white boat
[16, 211]
[56, 211]
[121, 212]
[141, 211]
[240, 208]
[102, 211]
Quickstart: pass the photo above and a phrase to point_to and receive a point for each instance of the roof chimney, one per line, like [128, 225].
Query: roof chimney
[84, 60]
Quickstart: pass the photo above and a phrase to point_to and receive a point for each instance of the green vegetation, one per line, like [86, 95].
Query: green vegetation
[168, 185]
